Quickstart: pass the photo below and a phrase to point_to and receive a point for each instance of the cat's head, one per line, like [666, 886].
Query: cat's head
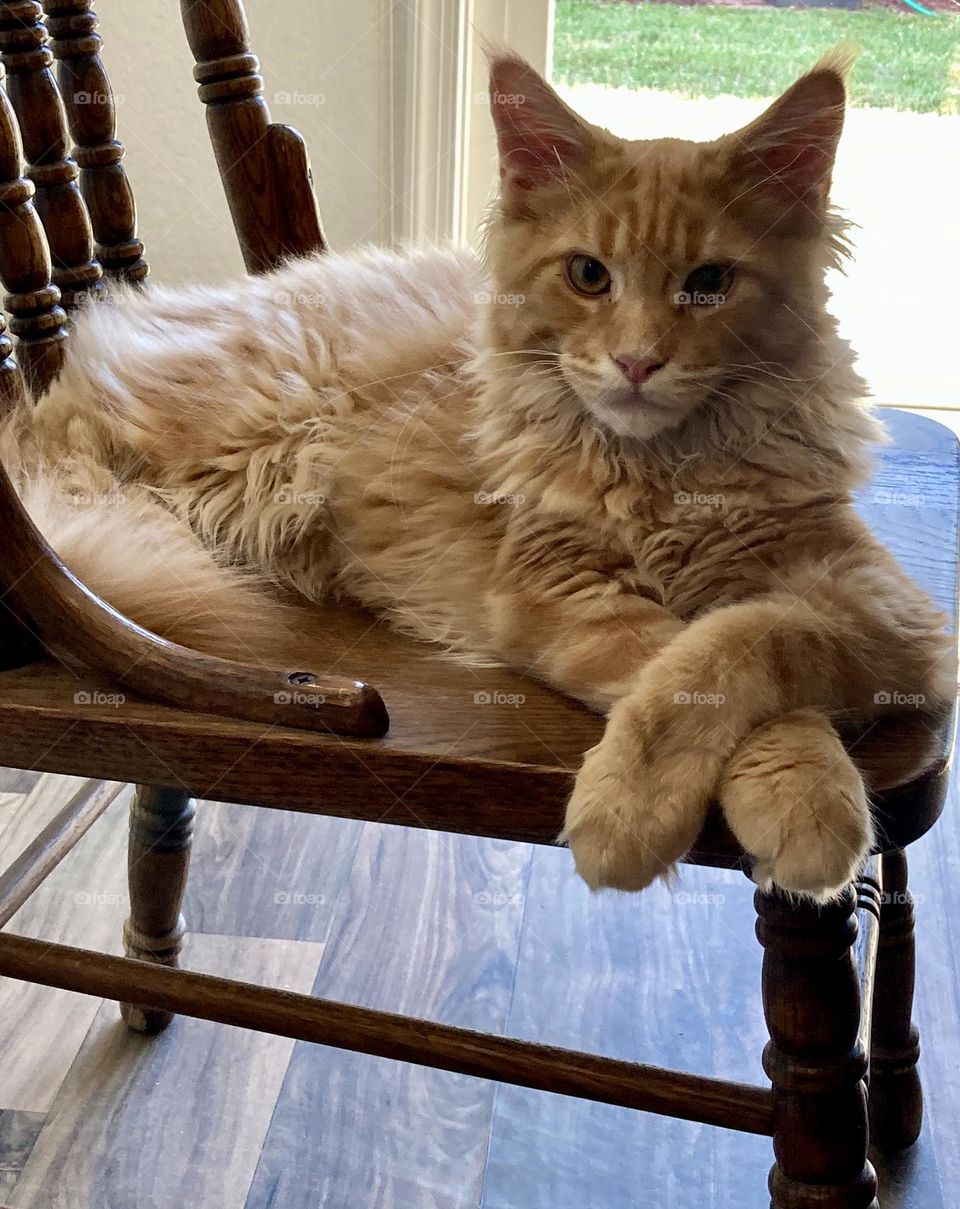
[650, 276]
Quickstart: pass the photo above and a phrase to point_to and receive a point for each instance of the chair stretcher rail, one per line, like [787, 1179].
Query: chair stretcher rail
[345, 1026]
[19, 880]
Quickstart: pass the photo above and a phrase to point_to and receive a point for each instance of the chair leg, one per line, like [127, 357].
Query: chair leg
[816, 1065]
[161, 829]
[896, 1101]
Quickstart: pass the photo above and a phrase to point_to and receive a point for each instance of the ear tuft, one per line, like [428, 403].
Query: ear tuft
[791, 147]
[539, 137]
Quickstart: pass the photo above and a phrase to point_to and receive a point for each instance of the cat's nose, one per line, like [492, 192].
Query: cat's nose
[636, 369]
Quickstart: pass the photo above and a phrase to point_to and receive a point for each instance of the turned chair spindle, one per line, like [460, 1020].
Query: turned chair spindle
[32, 301]
[36, 101]
[91, 116]
[264, 166]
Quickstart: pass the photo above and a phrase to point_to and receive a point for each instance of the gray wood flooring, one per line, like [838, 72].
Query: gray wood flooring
[479, 933]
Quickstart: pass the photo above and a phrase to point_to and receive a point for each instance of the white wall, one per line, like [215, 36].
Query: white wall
[326, 71]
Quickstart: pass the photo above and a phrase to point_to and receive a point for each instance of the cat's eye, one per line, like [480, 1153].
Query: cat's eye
[588, 276]
[707, 285]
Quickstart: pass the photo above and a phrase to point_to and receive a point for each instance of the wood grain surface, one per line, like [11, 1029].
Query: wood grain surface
[668, 976]
[197, 1099]
[83, 901]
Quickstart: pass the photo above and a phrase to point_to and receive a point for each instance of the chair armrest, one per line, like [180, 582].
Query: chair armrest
[75, 625]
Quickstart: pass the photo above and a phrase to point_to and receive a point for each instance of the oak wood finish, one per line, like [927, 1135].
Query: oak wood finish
[32, 300]
[36, 101]
[815, 1063]
[158, 859]
[46, 601]
[91, 116]
[896, 1098]
[567, 1072]
[264, 165]
[446, 764]
[78, 626]
[52, 844]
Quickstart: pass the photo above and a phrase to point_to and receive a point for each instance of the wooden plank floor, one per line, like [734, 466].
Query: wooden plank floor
[480, 933]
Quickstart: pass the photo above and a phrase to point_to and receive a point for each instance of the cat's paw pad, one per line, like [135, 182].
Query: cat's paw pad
[797, 804]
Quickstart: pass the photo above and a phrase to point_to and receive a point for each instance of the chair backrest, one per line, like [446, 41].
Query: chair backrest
[66, 222]
[264, 165]
[67, 212]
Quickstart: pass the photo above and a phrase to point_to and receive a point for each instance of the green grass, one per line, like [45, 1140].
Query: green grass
[907, 60]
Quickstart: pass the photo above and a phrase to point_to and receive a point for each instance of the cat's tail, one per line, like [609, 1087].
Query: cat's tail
[120, 541]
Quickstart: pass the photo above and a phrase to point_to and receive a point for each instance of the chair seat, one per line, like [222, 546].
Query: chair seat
[479, 751]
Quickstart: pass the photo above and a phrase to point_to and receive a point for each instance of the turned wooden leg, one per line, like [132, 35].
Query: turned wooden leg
[896, 1101]
[161, 828]
[811, 1000]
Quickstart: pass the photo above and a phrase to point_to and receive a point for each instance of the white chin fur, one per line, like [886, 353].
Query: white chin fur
[638, 420]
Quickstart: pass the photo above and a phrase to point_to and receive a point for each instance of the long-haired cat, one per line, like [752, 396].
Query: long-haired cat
[616, 451]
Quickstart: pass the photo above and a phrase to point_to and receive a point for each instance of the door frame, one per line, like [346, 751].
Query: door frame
[442, 150]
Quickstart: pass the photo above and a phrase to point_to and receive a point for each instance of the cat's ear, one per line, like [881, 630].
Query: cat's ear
[540, 139]
[789, 150]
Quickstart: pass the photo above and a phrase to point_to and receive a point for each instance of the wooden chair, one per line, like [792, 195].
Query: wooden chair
[838, 981]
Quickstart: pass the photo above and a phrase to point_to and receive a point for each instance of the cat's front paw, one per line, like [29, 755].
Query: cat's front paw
[797, 804]
[632, 816]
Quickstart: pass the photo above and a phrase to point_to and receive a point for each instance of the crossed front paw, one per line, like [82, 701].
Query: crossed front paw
[796, 802]
[791, 794]
[634, 812]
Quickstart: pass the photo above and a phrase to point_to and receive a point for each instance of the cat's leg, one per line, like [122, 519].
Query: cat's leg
[642, 794]
[811, 1001]
[795, 801]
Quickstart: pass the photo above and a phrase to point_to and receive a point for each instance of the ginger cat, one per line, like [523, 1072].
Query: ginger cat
[616, 451]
